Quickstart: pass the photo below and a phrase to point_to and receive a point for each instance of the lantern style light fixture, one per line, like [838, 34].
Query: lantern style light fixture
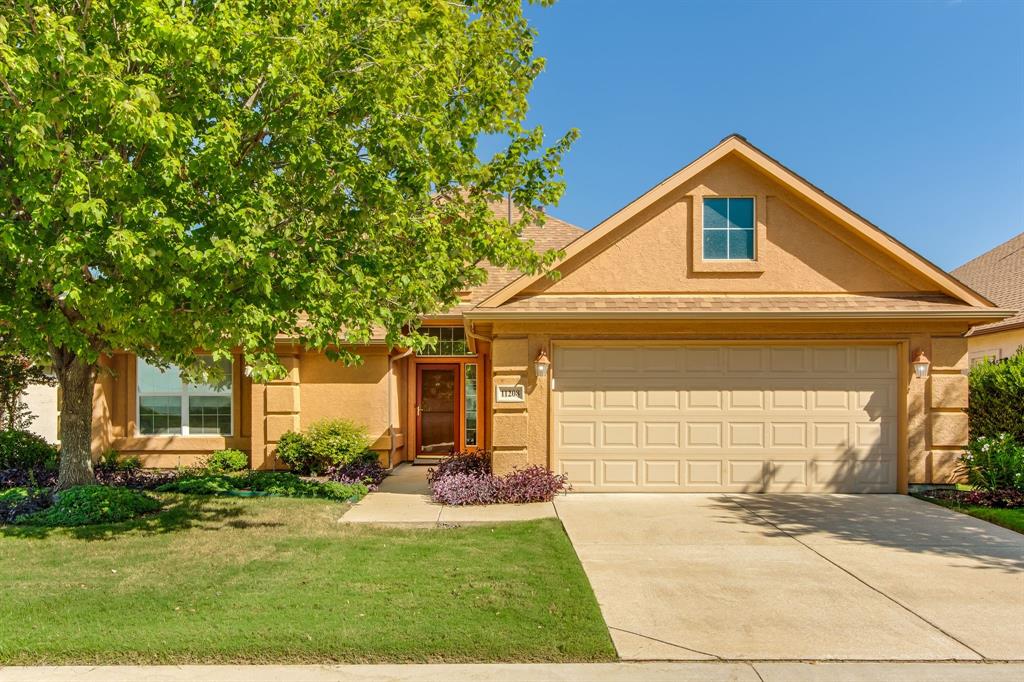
[920, 363]
[541, 364]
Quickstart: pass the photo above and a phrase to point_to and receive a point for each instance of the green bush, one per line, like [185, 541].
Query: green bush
[91, 504]
[201, 484]
[280, 483]
[995, 463]
[226, 461]
[25, 450]
[327, 443]
[111, 460]
[997, 398]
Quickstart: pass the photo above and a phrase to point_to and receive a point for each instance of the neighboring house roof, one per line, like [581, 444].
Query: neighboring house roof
[999, 275]
[740, 306]
[736, 144]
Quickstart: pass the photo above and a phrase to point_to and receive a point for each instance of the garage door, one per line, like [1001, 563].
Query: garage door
[725, 418]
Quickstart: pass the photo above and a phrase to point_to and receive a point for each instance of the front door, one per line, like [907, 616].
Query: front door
[437, 409]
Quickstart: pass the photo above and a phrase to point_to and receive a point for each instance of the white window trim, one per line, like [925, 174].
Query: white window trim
[184, 394]
[703, 220]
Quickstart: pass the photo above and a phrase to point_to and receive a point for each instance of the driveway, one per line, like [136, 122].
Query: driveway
[822, 577]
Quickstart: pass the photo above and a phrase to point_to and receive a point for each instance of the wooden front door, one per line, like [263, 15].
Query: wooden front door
[438, 396]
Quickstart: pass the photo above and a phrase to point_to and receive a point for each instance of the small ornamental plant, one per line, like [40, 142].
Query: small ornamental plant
[994, 463]
[91, 504]
[466, 478]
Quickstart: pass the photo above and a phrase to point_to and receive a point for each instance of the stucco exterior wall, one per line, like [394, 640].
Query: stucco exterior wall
[932, 424]
[42, 402]
[800, 250]
[997, 345]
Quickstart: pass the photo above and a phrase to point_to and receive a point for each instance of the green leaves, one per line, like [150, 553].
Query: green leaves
[183, 175]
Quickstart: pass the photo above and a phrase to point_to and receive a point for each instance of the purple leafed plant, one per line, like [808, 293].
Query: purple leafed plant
[466, 478]
[38, 477]
[1009, 498]
[532, 484]
[366, 471]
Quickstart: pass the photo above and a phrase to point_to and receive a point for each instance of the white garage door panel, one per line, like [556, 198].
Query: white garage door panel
[713, 418]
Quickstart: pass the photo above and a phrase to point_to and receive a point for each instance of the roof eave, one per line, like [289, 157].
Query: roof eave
[974, 316]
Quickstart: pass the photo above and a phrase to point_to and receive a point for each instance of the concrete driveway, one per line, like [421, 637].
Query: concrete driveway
[823, 577]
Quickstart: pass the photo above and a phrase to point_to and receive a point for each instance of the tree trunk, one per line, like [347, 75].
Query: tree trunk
[76, 378]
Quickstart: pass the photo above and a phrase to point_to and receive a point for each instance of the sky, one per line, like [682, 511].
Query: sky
[910, 113]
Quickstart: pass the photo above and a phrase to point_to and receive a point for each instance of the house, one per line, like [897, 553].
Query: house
[732, 329]
[998, 275]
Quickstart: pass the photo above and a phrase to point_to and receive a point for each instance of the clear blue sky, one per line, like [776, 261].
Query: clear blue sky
[910, 113]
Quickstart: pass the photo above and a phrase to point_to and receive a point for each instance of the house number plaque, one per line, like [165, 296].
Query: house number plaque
[509, 393]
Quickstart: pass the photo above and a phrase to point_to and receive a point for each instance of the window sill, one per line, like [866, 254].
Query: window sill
[727, 266]
[178, 443]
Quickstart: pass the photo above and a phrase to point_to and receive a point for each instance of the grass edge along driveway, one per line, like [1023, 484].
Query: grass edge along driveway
[227, 580]
[1012, 519]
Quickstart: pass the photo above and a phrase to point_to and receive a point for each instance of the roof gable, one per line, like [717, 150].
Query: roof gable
[906, 269]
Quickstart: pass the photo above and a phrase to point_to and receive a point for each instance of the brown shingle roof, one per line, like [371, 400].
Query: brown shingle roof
[998, 275]
[713, 305]
[554, 234]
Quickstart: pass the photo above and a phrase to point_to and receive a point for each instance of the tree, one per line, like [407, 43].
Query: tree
[180, 175]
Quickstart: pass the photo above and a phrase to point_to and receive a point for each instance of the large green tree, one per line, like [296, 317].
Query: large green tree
[181, 174]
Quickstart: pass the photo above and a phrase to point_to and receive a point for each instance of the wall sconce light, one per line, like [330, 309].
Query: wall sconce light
[541, 364]
[920, 363]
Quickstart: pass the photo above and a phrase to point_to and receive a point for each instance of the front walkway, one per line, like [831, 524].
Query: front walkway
[404, 500]
[799, 577]
[513, 672]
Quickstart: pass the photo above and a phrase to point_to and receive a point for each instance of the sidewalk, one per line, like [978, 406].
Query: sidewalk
[499, 672]
[404, 500]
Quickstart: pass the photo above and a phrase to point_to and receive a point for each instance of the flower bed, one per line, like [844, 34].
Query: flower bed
[1007, 498]
[466, 479]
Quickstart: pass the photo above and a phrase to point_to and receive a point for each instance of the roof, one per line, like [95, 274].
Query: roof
[553, 234]
[736, 144]
[742, 306]
[999, 275]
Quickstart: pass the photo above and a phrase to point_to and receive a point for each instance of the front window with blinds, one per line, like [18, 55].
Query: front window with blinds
[447, 341]
[169, 406]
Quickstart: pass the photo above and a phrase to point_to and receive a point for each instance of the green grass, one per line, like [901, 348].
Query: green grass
[222, 580]
[1007, 518]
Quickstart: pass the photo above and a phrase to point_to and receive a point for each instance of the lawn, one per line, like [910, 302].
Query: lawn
[220, 580]
[1007, 518]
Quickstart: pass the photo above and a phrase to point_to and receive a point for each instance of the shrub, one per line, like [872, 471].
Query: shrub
[136, 478]
[91, 504]
[225, 461]
[1007, 498]
[997, 398]
[280, 483]
[111, 460]
[330, 442]
[366, 470]
[994, 463]
[15, 502]
[293, 449]
[37, 477]
[201, 484]
[532, 484]
[466, 478]
[25, 450]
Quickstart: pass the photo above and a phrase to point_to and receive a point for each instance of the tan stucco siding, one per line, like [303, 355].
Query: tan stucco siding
[932, 423]
[800, 249]
[997, 345]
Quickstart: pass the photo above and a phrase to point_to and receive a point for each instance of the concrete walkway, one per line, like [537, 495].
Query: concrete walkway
[503, 672]
[799, 577]
[404, 500]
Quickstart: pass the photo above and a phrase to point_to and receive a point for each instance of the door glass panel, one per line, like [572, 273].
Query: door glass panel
[437, 411]
[470, 405]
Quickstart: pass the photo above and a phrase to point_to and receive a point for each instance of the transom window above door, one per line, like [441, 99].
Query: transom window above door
[728, 230]
[170, 406]
[448, 341]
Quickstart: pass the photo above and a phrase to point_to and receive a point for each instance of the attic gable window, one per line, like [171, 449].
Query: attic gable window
[728, 228]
